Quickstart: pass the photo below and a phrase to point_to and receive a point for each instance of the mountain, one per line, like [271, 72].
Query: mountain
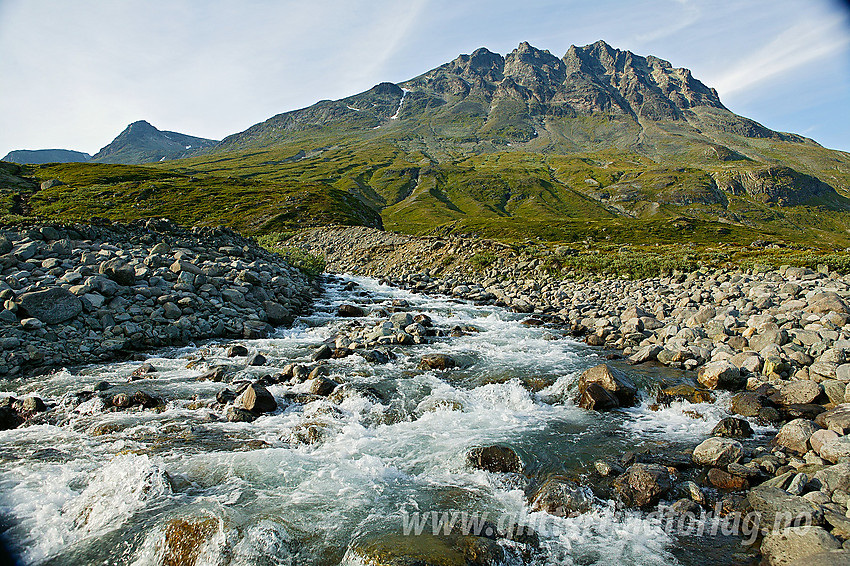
[488, 141]
[38, 156]
[142, 143]
[598, 145]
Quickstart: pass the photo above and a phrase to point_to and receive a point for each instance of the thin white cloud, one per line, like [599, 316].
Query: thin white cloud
[801, 44]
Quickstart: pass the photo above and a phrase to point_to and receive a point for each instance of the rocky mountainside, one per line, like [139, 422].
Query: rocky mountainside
[142, 143]
[38, 156]
[489, 143]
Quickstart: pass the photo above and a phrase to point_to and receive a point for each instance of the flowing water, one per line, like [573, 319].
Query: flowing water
[106, 487]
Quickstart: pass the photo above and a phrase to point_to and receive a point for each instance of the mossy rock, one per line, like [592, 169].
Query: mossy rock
[184, 539]
[428, 550]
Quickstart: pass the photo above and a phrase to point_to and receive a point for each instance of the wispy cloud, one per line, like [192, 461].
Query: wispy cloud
[801, 44]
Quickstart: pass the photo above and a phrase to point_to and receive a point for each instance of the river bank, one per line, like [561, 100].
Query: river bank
[79, 294]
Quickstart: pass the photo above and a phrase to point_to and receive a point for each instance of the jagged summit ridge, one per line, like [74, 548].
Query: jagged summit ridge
[484, 97]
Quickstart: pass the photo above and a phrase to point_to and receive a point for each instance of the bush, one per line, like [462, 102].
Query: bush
[311, 264]
[482, 260]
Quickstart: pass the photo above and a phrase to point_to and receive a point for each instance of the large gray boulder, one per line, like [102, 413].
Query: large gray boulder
[778, 509]
[51, 306]
[837, 419]
[784, 547]
[644, 484]
[720, 375]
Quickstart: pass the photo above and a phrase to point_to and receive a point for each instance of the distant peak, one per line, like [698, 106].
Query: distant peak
[141, 124]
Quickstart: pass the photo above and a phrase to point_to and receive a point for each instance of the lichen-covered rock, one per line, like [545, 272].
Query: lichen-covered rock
[51, 306]
[717, 452]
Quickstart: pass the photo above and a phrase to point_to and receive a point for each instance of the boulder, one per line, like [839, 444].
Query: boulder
[799, 392]
[350, 311]
[597, 398]
[730, 427]
[795, 435]
[277, 314]
[51, 306]
[748, 403]
[837, 419]
[717, 452]
[644, 484]
[786, 546]
[720, 375]
[323, 352]
[684, 392]
[821, 437]
[836, 450]
[495, 458]
[119, 272]
[646, 354]
[724, 480]
[322, 386]
[437, 361]
[842, 373]
[833, 478]
[256, 399]
[612, 380]
[831, 558]
[778, 509]
[236, 350]
[562, 497]
[9, 419]
[827, 302]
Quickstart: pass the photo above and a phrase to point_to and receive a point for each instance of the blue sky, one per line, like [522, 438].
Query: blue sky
[74, 74]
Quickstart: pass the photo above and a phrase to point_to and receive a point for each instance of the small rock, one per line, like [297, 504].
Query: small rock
[256, 399]
[643, 484]
[731, 427]
[322, 386]
[562, 497]
[350, 311]
[236, 351]
[724, 480]
[437, 361]
[717, 452]
[257, 360]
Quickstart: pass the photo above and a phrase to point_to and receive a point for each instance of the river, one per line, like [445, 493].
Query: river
[104, 487]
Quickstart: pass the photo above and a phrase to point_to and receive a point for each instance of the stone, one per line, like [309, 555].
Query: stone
[834, 390]
[788, 545]
[562, 497]
[768, 336]
[778, 509]
[256, 399]
[9, 418]
[800, 392]
[836, 450]
[823, 303]
[724, 480]
[51, 306]
[795, 435]
[119, 272]
[277, 314]
[748, 403]
[645, 354]
[495, 458]
[831, 558]
[31, 324]
[180, 266]
[143, 370]
[323, 352]
[720, 375]
[842, 373]
[171, 311]
[146, 400]
[717, 452]
[685, 392]
[730, 427]
[437, 361]
[257, 360]
[820, 437]
[30, 405]
[350, 311]
[644, 484]
[837, 419]
[236, 351]
[322, 386]
[612, 380]
[237, 415]
[597, 398]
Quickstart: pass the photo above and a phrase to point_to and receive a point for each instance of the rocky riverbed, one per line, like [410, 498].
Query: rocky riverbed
[715, 414]
[779, 341]
[78, 294]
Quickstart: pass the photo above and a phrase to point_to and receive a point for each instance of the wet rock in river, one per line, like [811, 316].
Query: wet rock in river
[720, 375]
[562, 497]
[322, 386]
[236, 350]
[644, 484]
[730, 427]
[496, 458]
[143, 370]
[597, 398]
[257, 360]
[323, 352]
[9, 418]
[351, 311]
[437, 361]
[184, 539]
[256, 399]
[612, 380]
[684, 392]
[146, 400]
[237, 415]
[722, 479]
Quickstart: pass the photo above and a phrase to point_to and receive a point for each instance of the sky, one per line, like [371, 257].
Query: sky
[74, 74]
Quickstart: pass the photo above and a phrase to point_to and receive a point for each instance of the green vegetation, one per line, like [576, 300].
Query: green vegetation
[483, 259]
[310, 264]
